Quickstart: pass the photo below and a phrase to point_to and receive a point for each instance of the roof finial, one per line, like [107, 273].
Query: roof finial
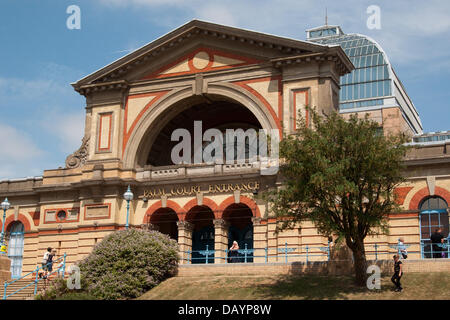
[326, 16]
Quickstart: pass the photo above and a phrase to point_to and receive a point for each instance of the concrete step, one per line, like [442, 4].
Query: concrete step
[24, 294]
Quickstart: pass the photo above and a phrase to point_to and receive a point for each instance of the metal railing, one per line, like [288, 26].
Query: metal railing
[60, 270]
[435, 250]
[305, 253]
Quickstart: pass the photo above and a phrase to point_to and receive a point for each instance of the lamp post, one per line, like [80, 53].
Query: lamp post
[128, 195]
[5, 206]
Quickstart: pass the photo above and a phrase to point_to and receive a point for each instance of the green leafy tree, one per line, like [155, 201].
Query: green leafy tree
[340, 174]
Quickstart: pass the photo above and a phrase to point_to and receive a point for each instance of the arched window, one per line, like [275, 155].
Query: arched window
[433, 215]
[15, 248]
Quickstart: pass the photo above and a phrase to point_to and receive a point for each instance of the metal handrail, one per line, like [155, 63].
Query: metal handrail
[376, 251]
[36, 280]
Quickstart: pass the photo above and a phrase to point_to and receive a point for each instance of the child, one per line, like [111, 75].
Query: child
[398, 273]
[44, 263]
[402, 248]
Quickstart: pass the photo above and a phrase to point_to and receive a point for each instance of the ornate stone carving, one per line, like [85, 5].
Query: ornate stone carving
[185, 225]
[79, 157]
[220, 223]
[256, 220]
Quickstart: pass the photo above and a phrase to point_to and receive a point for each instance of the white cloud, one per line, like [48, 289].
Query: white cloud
[67, 128]
[217, 13]
[14, 89]
[14, 143]
[19, 154]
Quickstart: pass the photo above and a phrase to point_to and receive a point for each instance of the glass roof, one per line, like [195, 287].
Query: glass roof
[370, 80]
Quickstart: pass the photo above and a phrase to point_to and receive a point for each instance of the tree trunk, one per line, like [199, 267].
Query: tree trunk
[360, 263]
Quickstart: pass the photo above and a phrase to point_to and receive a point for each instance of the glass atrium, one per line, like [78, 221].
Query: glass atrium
[373, 84]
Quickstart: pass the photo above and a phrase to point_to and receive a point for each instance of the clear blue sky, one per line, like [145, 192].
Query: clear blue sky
[42, 117]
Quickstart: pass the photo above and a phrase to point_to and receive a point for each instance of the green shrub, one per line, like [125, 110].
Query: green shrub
[76, 296]
[127, 263]
[57, 290]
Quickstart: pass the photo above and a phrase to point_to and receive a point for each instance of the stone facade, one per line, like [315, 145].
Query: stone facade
[131, 101]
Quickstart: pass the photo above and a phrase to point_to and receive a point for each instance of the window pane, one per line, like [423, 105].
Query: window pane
[374, 73]
[434, 220]
[374, 89]
[387, 89]
[364, 50]
[380, 58]
[386, 73]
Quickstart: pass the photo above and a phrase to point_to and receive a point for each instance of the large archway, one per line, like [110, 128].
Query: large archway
[165, 221]
[217, 114]
[152, 123]
[239, 218]
[202, 218]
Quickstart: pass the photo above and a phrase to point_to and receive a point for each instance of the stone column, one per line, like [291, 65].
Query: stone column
[5, 269]
[259, 240]
[220, 240]
[185, 240]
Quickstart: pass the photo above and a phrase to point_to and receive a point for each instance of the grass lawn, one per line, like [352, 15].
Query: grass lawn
[420, 286]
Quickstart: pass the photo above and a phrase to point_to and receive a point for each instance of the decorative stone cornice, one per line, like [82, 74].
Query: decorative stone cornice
[343, 64]
[79, 157]
[98, 87]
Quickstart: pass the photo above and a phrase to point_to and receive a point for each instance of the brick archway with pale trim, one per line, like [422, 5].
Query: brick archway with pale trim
[158, 205]
[206, 203]
[21, 218]
[424, 192]
[243, 200]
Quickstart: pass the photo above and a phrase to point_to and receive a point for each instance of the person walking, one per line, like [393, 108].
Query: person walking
[234, 252]
[50, 262]
[436, 239]
[44, 263]
[402, 248]
[398, 273]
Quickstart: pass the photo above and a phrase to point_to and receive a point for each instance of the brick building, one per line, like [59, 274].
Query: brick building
[226, 78]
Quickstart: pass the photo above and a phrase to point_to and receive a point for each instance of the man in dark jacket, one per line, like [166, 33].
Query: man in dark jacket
[437, 238]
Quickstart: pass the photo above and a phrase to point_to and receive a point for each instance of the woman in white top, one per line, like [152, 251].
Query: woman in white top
[44, 262]
[234, 252]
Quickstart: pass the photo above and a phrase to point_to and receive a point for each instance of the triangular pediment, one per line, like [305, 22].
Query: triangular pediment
[198, 46]
[201, 59]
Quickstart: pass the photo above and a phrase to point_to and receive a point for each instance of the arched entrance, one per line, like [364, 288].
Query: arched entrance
[433, 215]
[202, 217]
[15, 248]
[239, 218]
[219, 114]
[223, 102]
[165, 221]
